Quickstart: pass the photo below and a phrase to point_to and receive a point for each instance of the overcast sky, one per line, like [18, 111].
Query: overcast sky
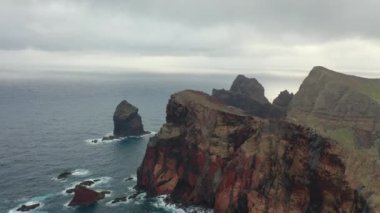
[224, 36]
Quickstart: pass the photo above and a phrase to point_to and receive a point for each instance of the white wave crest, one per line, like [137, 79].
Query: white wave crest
[80, 172]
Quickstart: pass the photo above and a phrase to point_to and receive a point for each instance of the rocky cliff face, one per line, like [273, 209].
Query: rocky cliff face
[127, 121]
[217, 156]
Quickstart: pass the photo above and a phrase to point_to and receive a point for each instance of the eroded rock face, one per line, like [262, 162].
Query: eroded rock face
[246, 94]
[217, 156]
[84, 196]
[127, 121]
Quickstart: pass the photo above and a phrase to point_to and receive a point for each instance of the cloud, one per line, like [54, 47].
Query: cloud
[213, 34]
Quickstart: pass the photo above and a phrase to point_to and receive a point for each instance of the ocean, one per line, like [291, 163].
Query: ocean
[48, 121]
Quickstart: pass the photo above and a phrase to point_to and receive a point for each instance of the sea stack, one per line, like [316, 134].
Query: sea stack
[127, 121]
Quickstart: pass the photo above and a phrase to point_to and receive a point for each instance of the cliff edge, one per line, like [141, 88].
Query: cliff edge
[217, 156]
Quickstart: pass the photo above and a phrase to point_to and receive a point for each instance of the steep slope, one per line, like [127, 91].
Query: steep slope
[346, 108]
[214, 155]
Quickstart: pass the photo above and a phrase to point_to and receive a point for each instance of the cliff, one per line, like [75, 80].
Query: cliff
[339, 106]
[346, 109]
[217, 156]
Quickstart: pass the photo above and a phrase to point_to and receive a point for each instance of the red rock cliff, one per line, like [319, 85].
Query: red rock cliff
[216, 156]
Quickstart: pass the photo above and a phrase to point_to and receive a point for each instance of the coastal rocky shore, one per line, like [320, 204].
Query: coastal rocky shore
[214, 153]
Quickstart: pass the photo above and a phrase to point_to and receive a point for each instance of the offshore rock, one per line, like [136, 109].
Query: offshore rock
[26, 208]
[127, 121]
[84, 196]
[217, 156]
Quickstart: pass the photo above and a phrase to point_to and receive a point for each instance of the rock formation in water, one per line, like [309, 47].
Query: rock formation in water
[84, 196]
[26, 208]
[64, 175]
[127, 121]
[246, 94]
[217, 156]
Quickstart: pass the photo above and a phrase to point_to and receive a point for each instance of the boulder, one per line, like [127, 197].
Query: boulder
[127, 121]
[84, 196]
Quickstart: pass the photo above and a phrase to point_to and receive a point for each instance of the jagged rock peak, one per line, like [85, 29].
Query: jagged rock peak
[283, 99]
[249, 87]
[246, 94]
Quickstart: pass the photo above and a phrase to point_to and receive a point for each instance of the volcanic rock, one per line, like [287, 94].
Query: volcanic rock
[280, 105]
[25, 208]
[339, 105]
[246, 94]
[84, 196]
[217, 156]
[119, 199]
[87, 183]
[64, 175]
[127, 121]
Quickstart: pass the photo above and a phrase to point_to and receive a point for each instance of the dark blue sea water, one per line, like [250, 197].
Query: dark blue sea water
[46, 122]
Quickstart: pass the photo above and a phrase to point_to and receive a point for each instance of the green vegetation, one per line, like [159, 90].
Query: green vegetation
[343, 135]
[371, 88]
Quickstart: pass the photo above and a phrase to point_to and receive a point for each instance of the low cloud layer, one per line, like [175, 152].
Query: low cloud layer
[178, 36]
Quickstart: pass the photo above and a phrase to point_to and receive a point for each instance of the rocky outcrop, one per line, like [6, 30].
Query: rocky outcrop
[217, 156]
[346, 109]
[127, 121]
[26, 208]
[64, 175]
[280, 105]
[246, 94]
[84, 196]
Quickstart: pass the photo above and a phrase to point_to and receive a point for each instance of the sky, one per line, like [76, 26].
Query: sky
[286, 37]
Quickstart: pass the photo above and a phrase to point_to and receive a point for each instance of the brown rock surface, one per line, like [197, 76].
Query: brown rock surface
[84, 196]
[217, 156]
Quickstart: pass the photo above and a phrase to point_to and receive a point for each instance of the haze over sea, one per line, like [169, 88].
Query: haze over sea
[48, 120]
